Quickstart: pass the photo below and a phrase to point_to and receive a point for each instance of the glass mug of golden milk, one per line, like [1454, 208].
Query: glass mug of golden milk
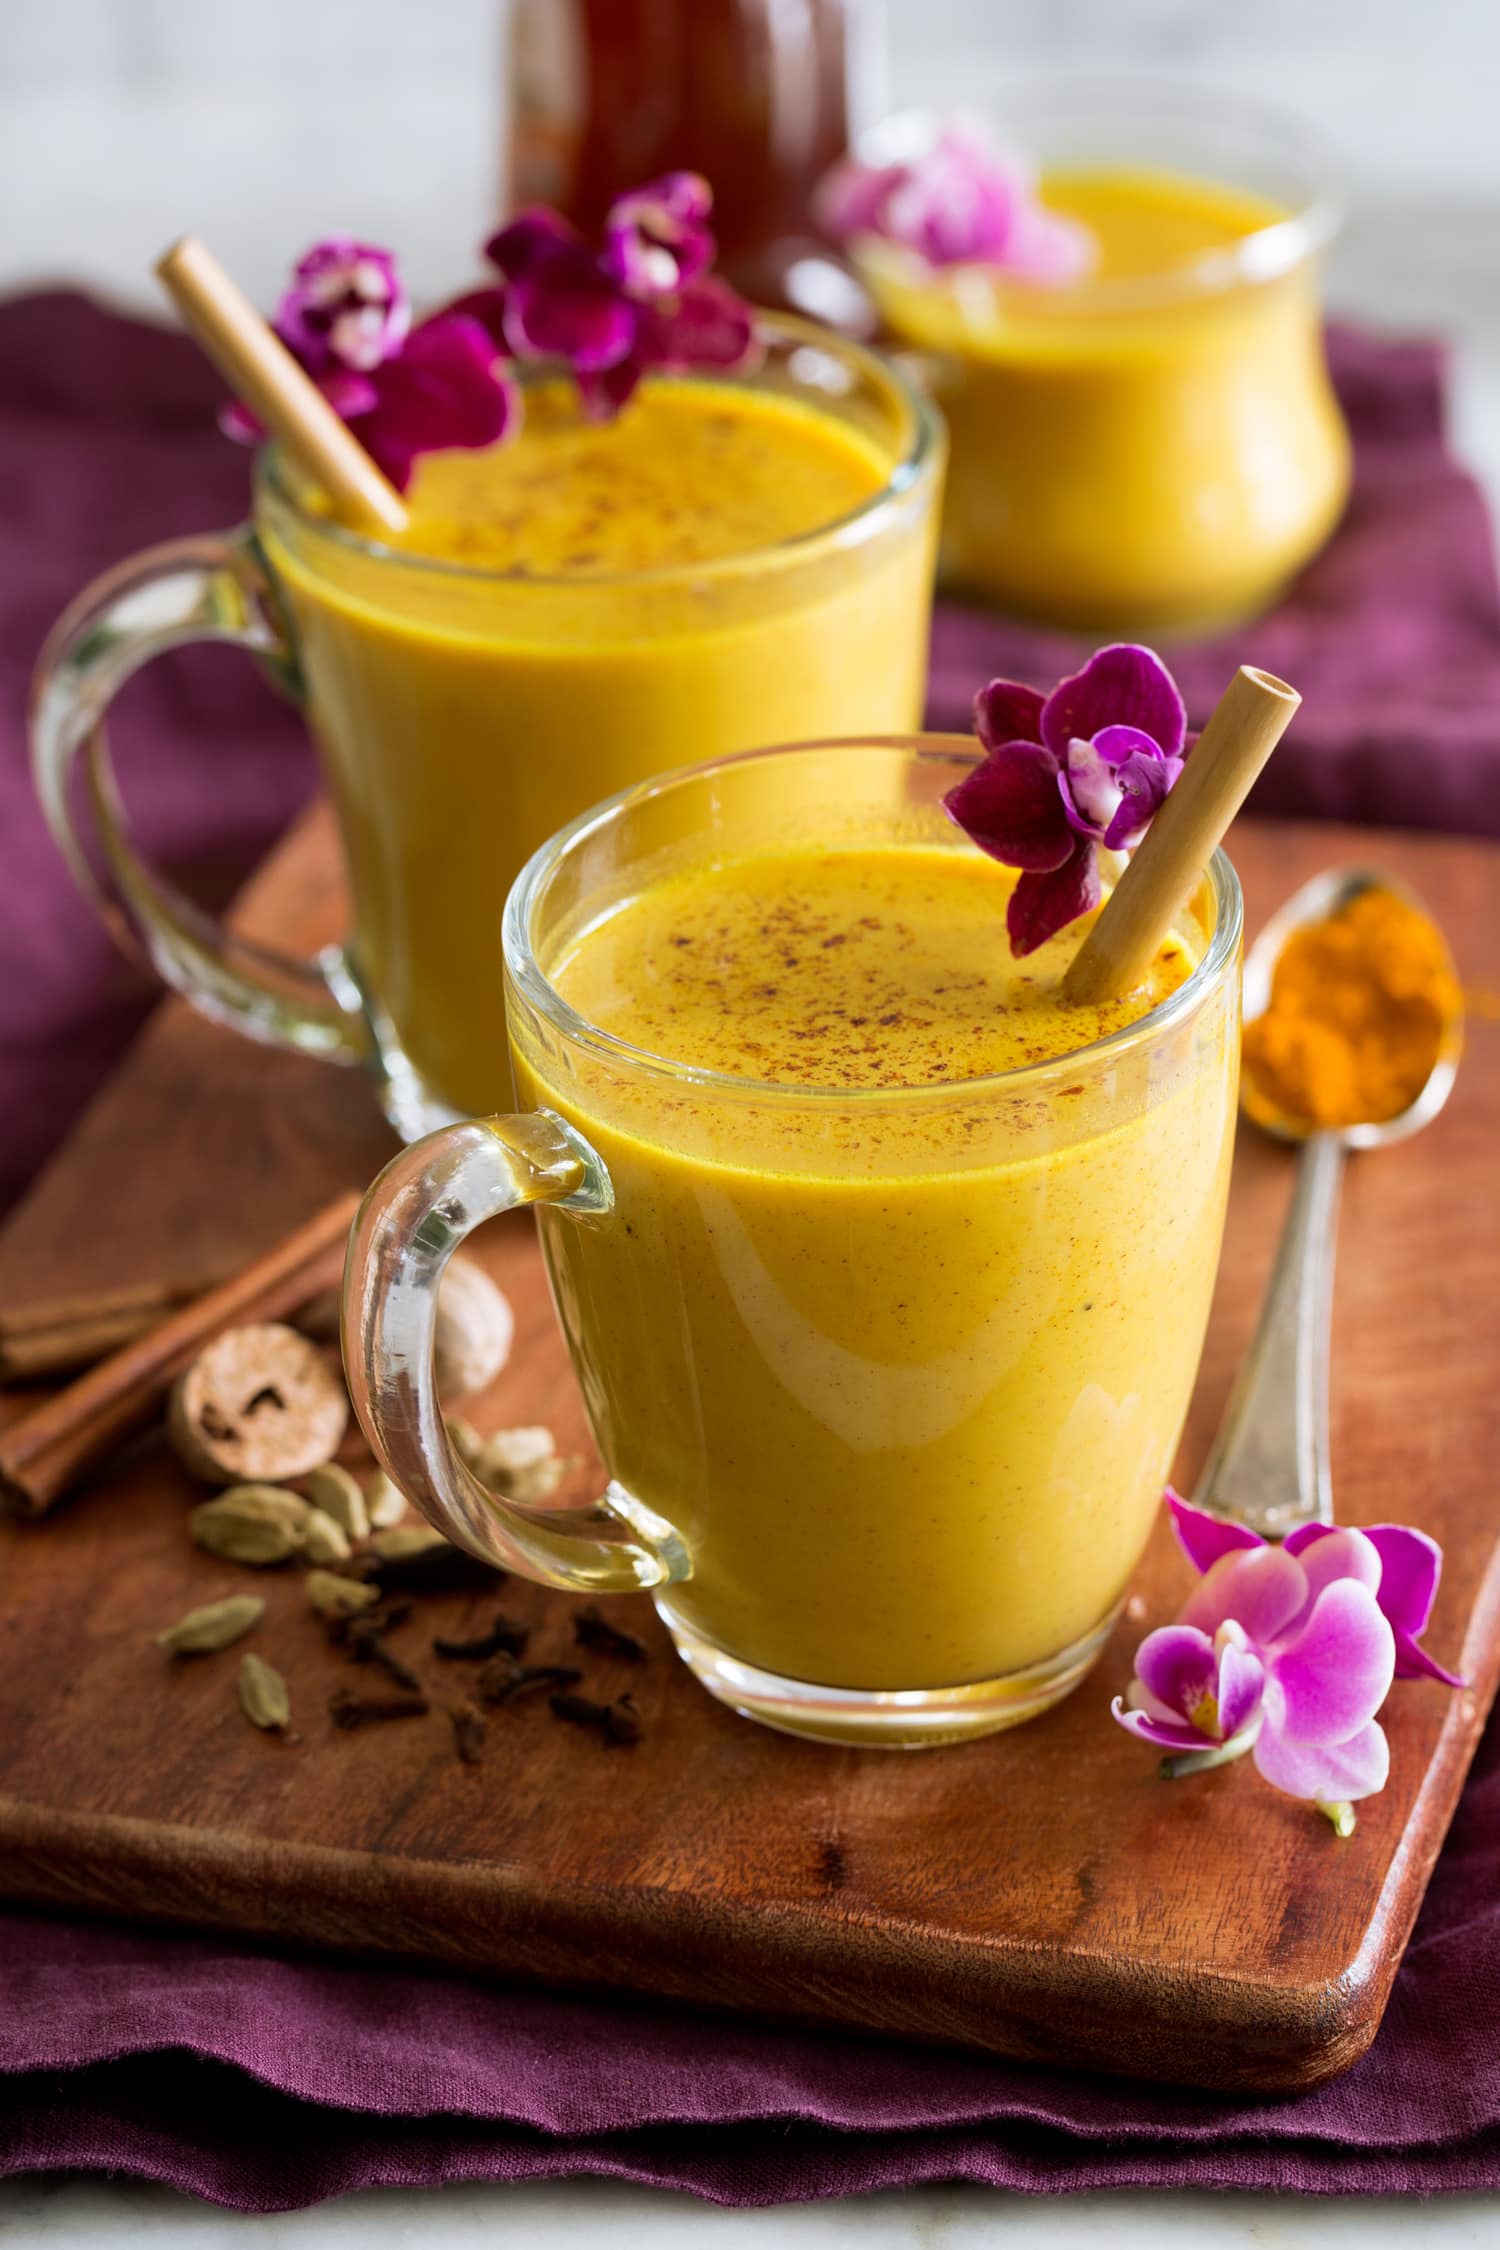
[736, 560]
[885, 1276]
[1152, 447]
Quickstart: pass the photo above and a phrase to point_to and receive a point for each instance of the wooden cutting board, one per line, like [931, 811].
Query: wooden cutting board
[1039, 1894]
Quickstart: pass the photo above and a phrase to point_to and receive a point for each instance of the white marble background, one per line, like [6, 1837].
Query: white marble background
[263, 123]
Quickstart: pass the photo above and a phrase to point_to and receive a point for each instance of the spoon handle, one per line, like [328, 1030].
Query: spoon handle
[1269, 1464]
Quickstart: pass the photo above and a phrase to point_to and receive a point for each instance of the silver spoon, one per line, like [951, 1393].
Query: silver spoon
[1269, 1463]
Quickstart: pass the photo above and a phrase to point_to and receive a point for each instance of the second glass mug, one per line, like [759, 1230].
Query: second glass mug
[463, 715]
[1143, 452]
[887, 1383]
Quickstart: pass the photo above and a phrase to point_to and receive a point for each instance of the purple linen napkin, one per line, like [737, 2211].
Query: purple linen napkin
[267, 2082]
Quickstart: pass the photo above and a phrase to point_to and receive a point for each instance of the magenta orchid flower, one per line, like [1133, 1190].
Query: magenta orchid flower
[346, 307]
[657, 239]
[402, 390]
[1287, 1653]
[647, 301]
[1087, 765]
[962, 202]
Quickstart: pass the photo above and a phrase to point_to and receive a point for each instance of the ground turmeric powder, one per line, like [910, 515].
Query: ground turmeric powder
[1359, 1005]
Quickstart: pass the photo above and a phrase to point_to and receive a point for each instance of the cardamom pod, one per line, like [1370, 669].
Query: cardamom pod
[522, 1464]
[263, 1693]
[216, 1625]
[385, 1501]
[332, 1596]
[464, 1439]
[324, 1540]
[252, 1523]
[337, 1493]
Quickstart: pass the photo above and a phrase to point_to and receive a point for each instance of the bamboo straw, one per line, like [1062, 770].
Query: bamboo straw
[260, 370]
[1249, 720]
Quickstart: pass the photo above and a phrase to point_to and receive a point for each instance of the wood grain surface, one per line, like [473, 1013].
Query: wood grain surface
[1040, 1894]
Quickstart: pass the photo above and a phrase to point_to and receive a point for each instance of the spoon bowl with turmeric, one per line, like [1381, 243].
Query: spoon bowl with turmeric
[1353, 1032]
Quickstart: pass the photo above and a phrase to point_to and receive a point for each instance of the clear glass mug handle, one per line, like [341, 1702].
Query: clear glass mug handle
[208, 588]
[422, 1206]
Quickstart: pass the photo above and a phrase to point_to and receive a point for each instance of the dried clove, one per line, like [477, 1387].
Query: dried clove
[593, 1630]
[364, 1643]
[503, 1679]
[619, 1722]
[348, 1710]
[469, 1731]
[504, 1637]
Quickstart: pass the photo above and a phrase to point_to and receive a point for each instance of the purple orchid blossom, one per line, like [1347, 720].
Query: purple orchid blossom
[403, 390]
[1087, 765]
[1288, 1652]
[346, 307]
[961, 203]
[647, 301]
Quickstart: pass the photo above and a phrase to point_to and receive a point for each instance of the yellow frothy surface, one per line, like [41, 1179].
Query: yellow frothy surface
[1146, 222]
[849, 968]
[690, 472]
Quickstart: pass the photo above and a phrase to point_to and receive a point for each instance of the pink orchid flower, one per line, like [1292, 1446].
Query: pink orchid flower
[1085, 766]
[647, 301]
[1288, 1652]
[962, 202]
[403, 390]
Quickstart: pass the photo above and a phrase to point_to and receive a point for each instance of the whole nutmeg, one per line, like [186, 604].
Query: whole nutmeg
[473, 1331]
[257, 1405]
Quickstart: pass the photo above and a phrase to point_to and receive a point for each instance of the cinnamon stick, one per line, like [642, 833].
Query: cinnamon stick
[62, 1334]
[47, 1451]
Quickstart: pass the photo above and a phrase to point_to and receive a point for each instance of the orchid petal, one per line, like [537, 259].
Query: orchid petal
[1242, 1679]
[1414, 1663]
[487, 306]
[1344, 1554]
[1204, 1538]
[1122, 685]
[1410, 1566]
[1335, 1671]
[1177, 1667]
[1049, 246]
[534, 238]
[1262, 1588]
[656, 238]
[707, 325]
[346, 307]
[564, 308]
[236, 421]
[852, 199]
[1144, 781]
[1326, 1773]
[1167, 1734]
[1042, 904]
[1009, 806]
[1007, 711]
[1090, 794]
[447, 389]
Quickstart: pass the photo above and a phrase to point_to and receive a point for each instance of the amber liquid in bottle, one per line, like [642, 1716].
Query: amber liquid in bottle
[758, 95]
